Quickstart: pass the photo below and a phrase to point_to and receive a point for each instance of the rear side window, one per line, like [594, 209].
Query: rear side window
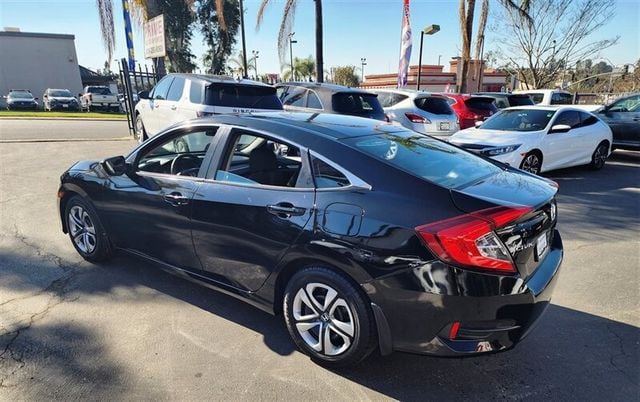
[242, 96]
[195, 92]
[356, 104]
[426, 158]
[587, 119]
[312, 101]
[162, 88]
[175, 92]
[434, 105]
[326, 176]
[520, 100]
[481, 104]
[570, 118]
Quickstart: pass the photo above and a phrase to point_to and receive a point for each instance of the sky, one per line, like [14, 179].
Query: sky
[353, 29]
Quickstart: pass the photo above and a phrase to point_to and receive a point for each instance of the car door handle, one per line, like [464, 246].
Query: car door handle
[176, 199]
[285, 210]
[636, 119]
[174, 107]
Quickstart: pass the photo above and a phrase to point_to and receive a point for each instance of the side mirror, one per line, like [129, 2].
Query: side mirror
[143, 94]
[560, 128]
[36, 98]
[44, 96]
[478, 123]
[115, 166]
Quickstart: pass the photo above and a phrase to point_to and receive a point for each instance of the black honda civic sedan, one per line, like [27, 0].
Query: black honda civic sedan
[362, 234]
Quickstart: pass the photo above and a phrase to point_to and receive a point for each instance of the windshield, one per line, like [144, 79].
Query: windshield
[20, 95]
[60, 93]
[99, 90]
[519, 120]
[242, 96]
[425, 157]
[520, 100]
[358, 104]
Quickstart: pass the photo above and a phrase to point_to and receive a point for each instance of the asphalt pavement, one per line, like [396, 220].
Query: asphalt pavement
[72, 330]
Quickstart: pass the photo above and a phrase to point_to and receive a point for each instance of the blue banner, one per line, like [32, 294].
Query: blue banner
[128, 34]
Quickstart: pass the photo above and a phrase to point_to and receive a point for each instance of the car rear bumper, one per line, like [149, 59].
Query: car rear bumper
[422, 305]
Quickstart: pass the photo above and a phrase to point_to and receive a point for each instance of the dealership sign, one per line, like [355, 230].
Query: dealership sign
[154, 45]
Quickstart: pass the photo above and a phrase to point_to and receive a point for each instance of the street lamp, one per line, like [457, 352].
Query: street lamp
[244, 46]
[255, 61]
[291, 42]
[439, 56]
[430, 30]
[363, 61]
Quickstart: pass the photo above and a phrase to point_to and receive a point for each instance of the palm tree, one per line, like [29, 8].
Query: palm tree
[105, 12]
[304, 69]
[286, 24]
[238, 64]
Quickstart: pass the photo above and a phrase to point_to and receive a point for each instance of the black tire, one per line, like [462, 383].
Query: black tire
[81, 227]
[347, 318]
[532, 162]
[599, 156]
[139, 133]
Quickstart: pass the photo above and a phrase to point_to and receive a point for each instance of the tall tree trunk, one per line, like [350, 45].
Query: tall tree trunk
[319, 56]
[466, 28]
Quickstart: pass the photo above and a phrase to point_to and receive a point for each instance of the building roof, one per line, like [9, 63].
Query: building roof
[36, 35]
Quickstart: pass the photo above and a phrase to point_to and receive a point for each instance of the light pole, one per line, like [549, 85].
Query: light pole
[363, 61]
[244, 46]
[291, 42]
[255, 61]
[439, 56]
[430, 30]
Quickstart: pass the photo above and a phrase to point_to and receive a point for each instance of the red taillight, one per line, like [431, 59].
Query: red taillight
[415, 118]
[453, 332]
[470, 241]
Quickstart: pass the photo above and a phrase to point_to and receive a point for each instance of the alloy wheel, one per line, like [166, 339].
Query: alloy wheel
[139, 130]
[531, 164]
[600, 156]
[323, 319]
[82, 229]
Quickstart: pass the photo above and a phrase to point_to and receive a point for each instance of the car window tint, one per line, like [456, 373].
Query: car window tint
[175, 92]
[520, 100]
[295, 97]
[242, 96]
[570, 118]
[561, 99]
[501, 102]
[312, 101]
[434, 105]
[537, 97]
[258, 160]
[99, 90]
[630, 104]
[587, 119]
[195, 92]
[162, 88]
[280, 92]
[425, 157]
[356, 104]
[326, 176]
[185, 151]
[485, 103]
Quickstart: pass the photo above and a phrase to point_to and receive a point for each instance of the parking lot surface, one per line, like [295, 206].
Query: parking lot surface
[126, 330]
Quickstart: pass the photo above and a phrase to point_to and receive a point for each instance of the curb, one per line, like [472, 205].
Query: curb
[36, 140]
[61, 118]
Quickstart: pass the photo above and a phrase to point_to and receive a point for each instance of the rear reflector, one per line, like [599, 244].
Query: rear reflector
[415, 118]
[470, 241]
[453, 332]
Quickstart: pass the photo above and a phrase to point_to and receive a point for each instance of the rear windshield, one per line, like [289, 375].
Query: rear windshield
[242, 96]
[357, 104]
[425, 157]
[520, 100]
[99, 90]
[481, 104]
[537, 97]
[434, 104]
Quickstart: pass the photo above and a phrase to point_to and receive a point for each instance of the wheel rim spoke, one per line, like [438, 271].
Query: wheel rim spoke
[82, 230]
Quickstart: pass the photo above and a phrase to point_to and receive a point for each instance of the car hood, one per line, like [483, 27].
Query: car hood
[492, 137]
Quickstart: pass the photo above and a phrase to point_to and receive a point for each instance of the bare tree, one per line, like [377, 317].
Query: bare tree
[465, 13]
[558, 36]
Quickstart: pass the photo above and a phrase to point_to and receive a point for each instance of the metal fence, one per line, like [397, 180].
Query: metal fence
[132, 82]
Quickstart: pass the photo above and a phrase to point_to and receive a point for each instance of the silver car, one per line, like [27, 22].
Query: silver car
[419, 111]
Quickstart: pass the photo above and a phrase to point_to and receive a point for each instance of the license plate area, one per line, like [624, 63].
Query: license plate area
[445, 126]
[542, 245]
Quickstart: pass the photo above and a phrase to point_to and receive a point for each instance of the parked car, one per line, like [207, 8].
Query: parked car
[329, 98]
[420, 111]
[99, 97]
[538, 139]
[363, 234]
[21, 99]
[623, 116]
[180, 97]
[471, 108]
[59, 99]
[505, 99]
[546, 97]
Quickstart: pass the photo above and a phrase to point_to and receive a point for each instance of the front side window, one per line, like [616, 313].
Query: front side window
[295, 97]
[259, 160]
[180, 154]
[175, 92]
[162, 88]
[195, 92]
[630, 104]
[313, 102]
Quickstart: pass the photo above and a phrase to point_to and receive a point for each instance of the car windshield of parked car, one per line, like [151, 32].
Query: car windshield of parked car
[60, 93]
[519, 120]
[425, 157]
[20, 95]
[99, 90]
[356, 104]
[242, 96]
[520, 100]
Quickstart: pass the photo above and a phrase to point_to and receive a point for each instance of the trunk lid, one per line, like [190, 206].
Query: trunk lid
[529, 237]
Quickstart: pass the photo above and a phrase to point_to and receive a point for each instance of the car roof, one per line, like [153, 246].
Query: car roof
[57, 89]
[409, 92]
[218, 79]
[544, 91]
[548, 107]
[302, 127]
[323, 87]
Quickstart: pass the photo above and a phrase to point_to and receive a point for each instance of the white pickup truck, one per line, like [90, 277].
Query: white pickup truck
[555, 97]
[94, 97]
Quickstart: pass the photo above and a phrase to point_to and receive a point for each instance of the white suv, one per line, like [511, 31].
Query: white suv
[419, 111]
[180, 97]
